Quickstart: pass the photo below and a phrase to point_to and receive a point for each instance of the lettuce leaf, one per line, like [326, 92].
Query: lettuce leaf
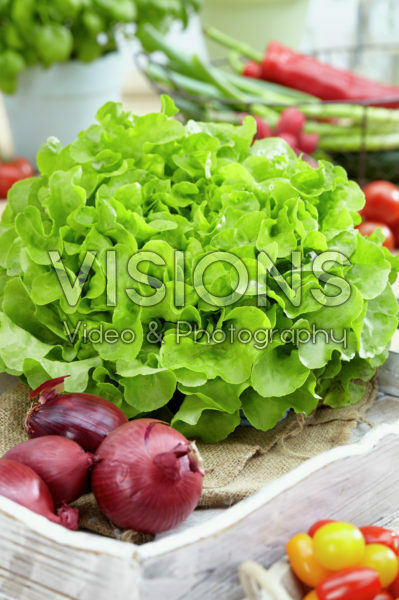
[183, 269]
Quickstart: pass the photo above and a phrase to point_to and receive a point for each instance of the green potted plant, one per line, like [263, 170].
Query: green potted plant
[59, 60]
[256, 21]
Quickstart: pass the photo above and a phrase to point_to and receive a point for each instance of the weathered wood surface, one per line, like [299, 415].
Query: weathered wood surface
[41, 561]
[357, 483]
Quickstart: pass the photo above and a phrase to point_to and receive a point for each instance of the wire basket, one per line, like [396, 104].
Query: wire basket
[375, 152]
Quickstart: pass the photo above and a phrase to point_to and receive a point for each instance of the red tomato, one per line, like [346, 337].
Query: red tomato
[24, 166]
[395, 230]
[317, 526]
[13, 171]
[383, 596]
[379, 535]
[368, 227]
[382, 202]
[394, 588]
[350, 584]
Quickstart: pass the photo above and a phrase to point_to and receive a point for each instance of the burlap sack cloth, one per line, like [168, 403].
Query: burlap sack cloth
[235, 468]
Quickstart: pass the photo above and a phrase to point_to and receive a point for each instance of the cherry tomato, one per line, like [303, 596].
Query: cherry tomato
[394, 588]
[367, 227]
[13, 171]
[380, 535]
[382, 202]
[24, 166]
[316, 526]
[395, 230]
[311, 596]
[302, 560]
[383, 560]
[383, 596]
[339, 546]
[350, 584]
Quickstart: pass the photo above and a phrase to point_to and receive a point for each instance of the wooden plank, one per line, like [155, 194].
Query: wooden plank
[16, 587]
[358, 483]
[43, 560]
[388, 376]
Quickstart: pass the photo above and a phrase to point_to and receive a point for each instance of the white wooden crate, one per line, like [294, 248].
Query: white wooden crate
[40, 560]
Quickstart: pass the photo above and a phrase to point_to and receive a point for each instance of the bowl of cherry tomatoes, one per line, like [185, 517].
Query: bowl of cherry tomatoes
[331, 561]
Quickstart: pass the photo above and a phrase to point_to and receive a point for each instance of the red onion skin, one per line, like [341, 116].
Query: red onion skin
[85, 418]
[148, 478]
[61, 463]
[22, 485]
[50, 388]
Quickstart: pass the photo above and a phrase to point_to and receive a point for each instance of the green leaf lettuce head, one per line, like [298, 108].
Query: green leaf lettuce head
[55, 31]
[176, 195]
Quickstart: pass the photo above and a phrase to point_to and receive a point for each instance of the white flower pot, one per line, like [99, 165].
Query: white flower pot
[61, 101]
[256, 22]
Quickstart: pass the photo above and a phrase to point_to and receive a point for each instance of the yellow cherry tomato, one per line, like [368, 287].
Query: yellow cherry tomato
[303, 562]
[312, 596]
[339, 546]
[383, 560]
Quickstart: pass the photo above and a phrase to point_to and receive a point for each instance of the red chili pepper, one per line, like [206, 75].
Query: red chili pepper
[379, 535]
[350, 584]
[307, 74]
[252, 69]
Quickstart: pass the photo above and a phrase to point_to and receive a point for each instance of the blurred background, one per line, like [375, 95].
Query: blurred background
[305, 24]
[326, 24]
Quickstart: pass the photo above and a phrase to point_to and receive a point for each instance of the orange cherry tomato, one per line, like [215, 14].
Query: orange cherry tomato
[316, 526]
[303, 562]
[311, 596]
[383, 560]
[339, 546]
[380, 535]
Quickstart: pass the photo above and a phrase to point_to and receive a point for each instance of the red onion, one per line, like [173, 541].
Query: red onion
[21, 484]
[149, 477]
[84, 418]
[61, 463]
